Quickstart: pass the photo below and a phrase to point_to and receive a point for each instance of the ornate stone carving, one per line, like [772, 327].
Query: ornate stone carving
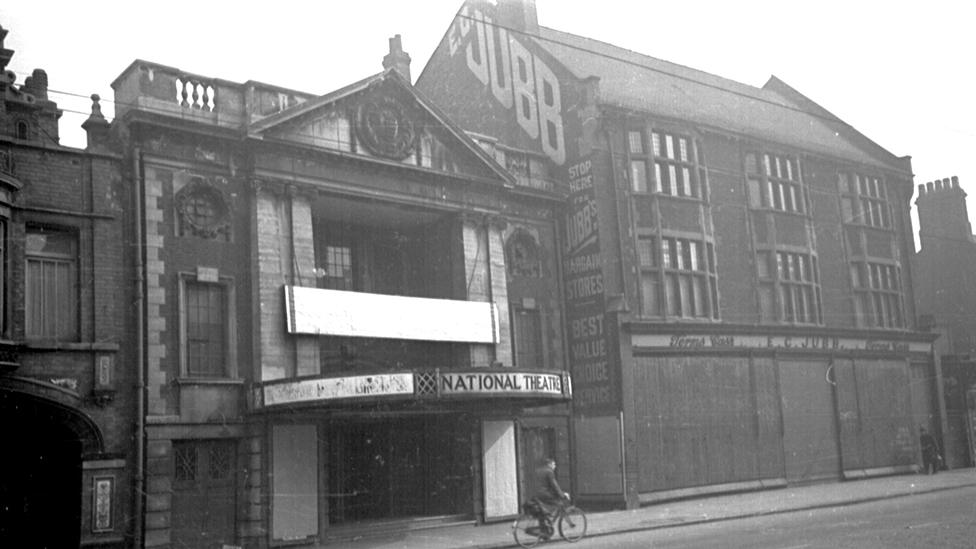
[385, 129]
[202, 209]
[523, 255]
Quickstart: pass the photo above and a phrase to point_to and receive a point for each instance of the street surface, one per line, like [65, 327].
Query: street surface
[944, 519]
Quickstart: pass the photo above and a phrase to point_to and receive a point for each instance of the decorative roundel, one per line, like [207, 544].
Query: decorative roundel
[203, 210]
[384, 128]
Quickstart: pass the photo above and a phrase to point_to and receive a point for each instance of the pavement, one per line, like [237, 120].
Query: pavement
[684, 512]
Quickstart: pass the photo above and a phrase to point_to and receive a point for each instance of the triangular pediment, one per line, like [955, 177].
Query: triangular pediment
[381, 118]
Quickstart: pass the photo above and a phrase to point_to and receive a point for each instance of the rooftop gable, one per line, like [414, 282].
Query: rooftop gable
[389, 101]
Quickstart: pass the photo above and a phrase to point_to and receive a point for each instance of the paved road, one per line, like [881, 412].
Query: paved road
[943, 520]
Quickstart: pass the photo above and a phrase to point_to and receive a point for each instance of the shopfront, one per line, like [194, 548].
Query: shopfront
[396, 449]
[732, 411]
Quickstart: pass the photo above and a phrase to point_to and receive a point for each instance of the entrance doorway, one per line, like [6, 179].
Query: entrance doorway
[203, 493]
[809, 430]
[398, 468]
[40, 478]
[538, 443]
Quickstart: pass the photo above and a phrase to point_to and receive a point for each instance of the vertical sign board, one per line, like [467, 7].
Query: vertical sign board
[500, 469]
[589, 328]
[592, 341]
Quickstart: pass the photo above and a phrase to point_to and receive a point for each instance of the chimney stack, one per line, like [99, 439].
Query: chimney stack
[519, 14]
[942, 211]
[36, 84]
[398, 59]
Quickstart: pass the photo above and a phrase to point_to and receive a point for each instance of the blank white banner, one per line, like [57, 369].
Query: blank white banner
[338, 313]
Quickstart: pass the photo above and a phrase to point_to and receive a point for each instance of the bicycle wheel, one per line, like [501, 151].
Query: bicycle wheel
[526, 530]
[572, 524]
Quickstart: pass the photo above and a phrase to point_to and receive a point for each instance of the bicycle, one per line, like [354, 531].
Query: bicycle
[569, 520]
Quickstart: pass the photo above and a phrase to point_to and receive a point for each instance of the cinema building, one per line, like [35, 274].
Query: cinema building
[736, 263]
[352, 319]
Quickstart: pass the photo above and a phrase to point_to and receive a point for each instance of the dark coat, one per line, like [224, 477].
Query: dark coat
[547, 488]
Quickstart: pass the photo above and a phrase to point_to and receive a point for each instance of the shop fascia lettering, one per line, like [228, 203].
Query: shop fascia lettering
[500, 383]
[403, 384]
[811, 343]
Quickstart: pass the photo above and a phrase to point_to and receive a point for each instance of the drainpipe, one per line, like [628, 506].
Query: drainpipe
[619, 308]
[139, 489]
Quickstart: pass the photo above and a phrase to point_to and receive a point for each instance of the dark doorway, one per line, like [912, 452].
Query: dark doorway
[537, 444]
[399, 468]
[203, 493]
[40, 479]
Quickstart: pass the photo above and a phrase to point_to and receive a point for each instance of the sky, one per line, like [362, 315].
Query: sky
[902, 73]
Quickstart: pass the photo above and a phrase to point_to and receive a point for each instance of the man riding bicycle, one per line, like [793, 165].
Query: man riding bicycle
[548, 495]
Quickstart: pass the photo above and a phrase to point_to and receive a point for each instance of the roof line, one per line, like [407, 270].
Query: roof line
[758, 97]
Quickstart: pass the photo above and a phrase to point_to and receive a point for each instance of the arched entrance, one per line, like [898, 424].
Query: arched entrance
[41, 468]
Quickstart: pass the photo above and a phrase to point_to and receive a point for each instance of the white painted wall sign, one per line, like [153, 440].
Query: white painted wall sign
[308, 390]
[333, 312]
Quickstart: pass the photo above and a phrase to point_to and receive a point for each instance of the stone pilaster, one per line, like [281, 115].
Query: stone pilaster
[486, 280]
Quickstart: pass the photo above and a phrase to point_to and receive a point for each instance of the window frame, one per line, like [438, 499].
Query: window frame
[654, 151]
[73, 290]
[792, 298]
[230, 368]
[531, 311]
[879, 298]
[774, 179]
[860, 206]
[677, 277]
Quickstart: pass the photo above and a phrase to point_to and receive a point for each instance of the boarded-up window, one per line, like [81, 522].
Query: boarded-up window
[294, 481]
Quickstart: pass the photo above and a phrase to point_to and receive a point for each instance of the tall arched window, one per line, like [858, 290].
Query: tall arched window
[23, 129]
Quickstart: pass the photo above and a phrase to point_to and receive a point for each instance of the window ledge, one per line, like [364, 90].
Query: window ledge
[47, 345]
[209, 381]
[805, 215]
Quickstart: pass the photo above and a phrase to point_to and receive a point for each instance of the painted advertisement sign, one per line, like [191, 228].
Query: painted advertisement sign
[310, 390]
[512, 74]
[432, 384]
[590, 333]
[500, 383]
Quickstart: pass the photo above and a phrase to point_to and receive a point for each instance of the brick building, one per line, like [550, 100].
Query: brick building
[736, 263]
[351, 318]
[945, 296]
[66, 402]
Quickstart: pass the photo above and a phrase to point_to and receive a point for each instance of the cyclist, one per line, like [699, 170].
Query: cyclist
[548, 495]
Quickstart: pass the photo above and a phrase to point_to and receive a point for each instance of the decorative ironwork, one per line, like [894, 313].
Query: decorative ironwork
[185, 457]
[220, 459]
[384, 128]
[425, 383]
[203, 210]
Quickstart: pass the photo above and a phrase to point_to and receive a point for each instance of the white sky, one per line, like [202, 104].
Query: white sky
[900, 72]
